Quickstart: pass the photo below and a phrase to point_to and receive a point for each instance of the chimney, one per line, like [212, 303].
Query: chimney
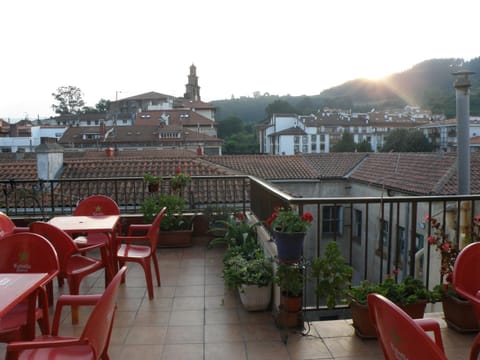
[49, 161]
[462, 92]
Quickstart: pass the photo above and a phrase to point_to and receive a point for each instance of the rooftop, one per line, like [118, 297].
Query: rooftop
[194, 317]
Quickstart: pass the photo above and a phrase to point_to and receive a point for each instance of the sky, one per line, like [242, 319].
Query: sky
[121, 48]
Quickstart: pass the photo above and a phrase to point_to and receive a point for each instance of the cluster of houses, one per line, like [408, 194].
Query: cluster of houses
[159, 121]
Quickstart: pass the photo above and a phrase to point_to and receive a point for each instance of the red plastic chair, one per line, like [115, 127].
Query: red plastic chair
[7, 226]
[466, 281]
[93, 342]
[27, 253]
[402, 337]
[73, 265]
[97, 205]
[142, 254]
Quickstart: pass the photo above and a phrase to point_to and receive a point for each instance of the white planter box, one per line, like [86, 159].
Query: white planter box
[255, 298]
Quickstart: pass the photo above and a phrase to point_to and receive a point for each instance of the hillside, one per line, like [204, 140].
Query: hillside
[428, 84]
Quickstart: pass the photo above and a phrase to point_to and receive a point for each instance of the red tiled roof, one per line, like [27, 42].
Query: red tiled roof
[267, 167]
[333, 165]
[18, 169]
[416, 173]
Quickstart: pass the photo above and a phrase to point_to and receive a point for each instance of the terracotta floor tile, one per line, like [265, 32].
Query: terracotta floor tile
[193, 316]
[185, 335]
[146, 335]
[228, 350]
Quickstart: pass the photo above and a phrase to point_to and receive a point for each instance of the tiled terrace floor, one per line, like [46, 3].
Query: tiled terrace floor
[194, 317]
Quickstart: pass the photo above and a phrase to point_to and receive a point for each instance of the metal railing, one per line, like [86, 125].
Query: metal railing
[376, 235]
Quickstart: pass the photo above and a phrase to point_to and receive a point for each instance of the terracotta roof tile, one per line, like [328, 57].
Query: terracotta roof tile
[416, 173]
[267, 167]
[333, 165]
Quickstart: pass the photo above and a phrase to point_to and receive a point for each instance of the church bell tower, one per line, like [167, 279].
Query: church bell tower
[192, 89]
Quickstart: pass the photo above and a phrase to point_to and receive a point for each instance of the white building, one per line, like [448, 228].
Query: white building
[28, 143]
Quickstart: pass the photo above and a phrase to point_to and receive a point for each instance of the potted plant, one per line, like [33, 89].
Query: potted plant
[245, 266]
[332, 275]
[290, 278]
[410, 294]
[252, 277]
[179, 181]
[152, 181]
[175, 230]
[289, 228]
[217, 216]
[459, 313]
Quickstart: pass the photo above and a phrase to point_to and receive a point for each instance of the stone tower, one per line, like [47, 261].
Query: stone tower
[192, 89]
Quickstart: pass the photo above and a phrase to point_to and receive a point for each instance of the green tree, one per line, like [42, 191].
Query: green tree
[364, 146]
[346, 144]
[241, 144]
[229, 126]
[407, 140]
[279, 107]
[69, 100]
[101, 107]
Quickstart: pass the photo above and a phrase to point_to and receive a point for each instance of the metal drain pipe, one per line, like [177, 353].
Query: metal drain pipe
[462, 91]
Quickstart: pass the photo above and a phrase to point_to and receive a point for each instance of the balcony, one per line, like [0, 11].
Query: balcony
[193, 316]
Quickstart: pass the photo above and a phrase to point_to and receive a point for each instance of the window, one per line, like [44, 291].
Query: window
[401, 239]
[313, 147]
[313, 138]
[331, 220]
[357, 225]
[383, 233]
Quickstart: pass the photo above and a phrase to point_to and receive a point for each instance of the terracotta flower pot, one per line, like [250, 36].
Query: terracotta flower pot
[363, 325]
[459, 314]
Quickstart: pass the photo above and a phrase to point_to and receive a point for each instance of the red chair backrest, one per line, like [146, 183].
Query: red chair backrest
[466, 274]
[399, 335]
[98, 327]
[97, 205]
[27, 253]
[6, 225]
[61, 241]
[154, 230]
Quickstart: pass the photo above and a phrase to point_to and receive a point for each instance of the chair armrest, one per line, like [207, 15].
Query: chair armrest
[81, 247]
[17, 346]
[129, 239]
[68, 300]
[432, 325]
[138, 228]
[19, 229]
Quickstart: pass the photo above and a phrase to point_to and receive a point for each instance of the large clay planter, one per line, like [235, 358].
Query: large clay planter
[254, 297]
[181, 238]
[363, 325]
[459, 314]
[289, 246]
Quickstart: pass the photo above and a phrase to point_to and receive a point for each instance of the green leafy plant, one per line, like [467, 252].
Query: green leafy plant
[406, 292]
[179, 181]
[254, 270]
[290, 279]
[173, 218]
[289, 221]
[238, 233]
[332, 274]
[151, 179]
